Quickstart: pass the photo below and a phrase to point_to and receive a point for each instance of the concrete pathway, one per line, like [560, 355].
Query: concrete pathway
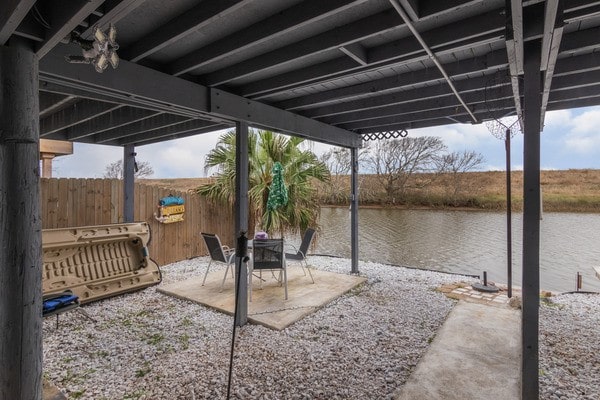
[475, 355]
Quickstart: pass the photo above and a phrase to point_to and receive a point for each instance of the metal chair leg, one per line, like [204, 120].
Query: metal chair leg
[309, 272]
[206, 273]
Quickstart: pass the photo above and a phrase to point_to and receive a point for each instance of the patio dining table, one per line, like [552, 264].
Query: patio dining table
[251, 270]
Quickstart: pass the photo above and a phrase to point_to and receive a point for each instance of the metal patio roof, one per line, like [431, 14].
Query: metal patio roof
[331, 71]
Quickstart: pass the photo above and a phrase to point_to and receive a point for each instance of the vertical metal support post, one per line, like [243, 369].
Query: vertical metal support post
[531, 223]
[128, 182]
[241, 215]
[354, 210]
[20, 225]
[508, 216]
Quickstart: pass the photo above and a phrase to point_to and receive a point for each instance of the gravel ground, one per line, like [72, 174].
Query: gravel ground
[570, 347]
[364, 345]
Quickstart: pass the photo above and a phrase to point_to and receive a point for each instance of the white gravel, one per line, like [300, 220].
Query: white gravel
[570, 347]
[364, 345]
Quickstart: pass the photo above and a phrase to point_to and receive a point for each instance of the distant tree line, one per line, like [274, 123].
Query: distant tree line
[395, 163]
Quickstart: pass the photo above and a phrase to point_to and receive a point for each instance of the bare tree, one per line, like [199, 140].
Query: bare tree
[455, 164]
[394, 161]
[339, 163]
[337, 160]
[114, 170]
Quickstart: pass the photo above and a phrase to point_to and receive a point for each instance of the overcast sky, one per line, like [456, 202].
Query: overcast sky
[571, 139]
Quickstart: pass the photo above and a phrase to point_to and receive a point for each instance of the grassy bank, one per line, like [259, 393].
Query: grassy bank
[566, 191]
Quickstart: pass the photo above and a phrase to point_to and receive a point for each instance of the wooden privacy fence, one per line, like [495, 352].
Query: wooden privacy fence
[82, 202]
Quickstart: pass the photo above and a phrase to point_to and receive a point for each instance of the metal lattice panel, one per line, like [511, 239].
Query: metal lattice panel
[385, 135]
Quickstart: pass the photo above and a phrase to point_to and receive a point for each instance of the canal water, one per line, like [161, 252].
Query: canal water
[467, 242]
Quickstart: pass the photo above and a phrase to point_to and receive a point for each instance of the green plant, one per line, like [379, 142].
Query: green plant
[548, 302]
[135, 395]
[185, 341]
[102, 353]
[70, 377]
[144, 370]
[78, 393]
[155, 338]
[143, 313]
[300, 169]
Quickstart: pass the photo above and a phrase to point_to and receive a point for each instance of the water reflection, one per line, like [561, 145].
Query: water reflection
[467, 242]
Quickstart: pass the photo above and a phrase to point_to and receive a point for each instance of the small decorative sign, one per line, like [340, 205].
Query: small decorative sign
[170, 209]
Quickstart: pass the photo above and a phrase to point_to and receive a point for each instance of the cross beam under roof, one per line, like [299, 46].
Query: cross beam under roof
[177, 96]
[268, 117]
[12, 13]
[484, 28]
[273, 27]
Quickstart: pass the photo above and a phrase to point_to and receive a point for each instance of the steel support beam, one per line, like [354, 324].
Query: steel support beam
[412, 8]
[77, 113]
[12, 13]
[271, 28]
[20, 226]
[64, 17]
[564, 105]
[490, 62]
[268, 117]
[176, 29]
[356, 52]
[514, 49]
[477, 109]
[531, 222]
[114, 11]
[178, 135]
[354, 210]
[432, 56]
[485, 28]
[330, 40]
[130, 82]
[436, 91]
[80, 91]
[241, 216]
[553, 30]
[473, 98]
[52, 102]
[128, 182]
[112, 120]
[187, 128]
[147, 125]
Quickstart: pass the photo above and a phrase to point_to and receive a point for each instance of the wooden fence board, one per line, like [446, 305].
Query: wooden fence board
[53, 201]
[62, 212]
[44, 197]
[80, 202]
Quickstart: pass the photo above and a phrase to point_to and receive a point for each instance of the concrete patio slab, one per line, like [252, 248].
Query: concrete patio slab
[475, 355]
[268, 306]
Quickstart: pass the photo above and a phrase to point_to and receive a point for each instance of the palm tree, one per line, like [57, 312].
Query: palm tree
[264, 149]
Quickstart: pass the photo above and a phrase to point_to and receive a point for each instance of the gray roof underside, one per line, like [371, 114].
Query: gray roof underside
[329, 70]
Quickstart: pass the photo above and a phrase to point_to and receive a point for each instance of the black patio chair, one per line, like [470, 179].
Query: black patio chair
[300, 254]
[218, 253]
[268, 255]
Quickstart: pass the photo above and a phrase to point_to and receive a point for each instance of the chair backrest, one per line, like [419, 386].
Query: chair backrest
[214, 247]
[306, 239]
[267, 253]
